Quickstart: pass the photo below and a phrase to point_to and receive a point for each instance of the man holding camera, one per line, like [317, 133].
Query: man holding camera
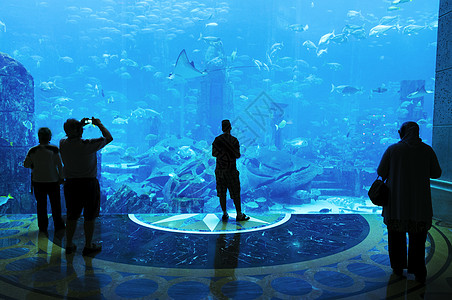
[81, 190]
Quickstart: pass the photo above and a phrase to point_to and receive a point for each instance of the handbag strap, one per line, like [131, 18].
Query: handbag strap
[378, 176]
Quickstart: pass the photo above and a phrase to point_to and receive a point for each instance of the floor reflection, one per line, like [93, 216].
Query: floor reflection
[312, 257]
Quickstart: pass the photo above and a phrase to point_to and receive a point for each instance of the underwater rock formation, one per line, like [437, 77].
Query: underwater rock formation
[277, 172]
[16, 134]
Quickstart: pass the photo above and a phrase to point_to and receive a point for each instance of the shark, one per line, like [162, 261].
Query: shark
[421, 92]
[185, 69]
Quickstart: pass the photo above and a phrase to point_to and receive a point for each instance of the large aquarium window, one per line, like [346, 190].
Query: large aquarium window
[315, 90]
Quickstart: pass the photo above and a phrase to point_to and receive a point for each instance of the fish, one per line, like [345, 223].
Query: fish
[277, 46]
[234, 55]
[212, 24]
[120, 121]
[339, 38]
[359, 34]
[325, 39]
[380, 29]
[281, 124]
[354, 14]
[421, 92]
[67, 59]
[125, 75]
[258, 63]
[309, 45]
[28, 124]
[351, 27]
[380, 90]
[150, 137]
[334, 66]
[211, 40]
[185, 69]
[3, 25]
[388, 19]
[4, 199]
[299, 27]
[412, 28]
[128, 62]
[297, 142]
[400, 1]
[393, 8]
[320, 52]
[345, 89]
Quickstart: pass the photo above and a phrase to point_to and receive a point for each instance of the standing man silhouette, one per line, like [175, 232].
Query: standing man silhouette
[407, 168]
[226, 149]
[81, 190]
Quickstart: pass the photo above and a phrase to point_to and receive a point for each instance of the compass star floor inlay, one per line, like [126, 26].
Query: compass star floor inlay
[209, 223]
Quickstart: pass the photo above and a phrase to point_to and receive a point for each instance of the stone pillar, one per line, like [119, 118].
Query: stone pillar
[17, 135]
[442, 116]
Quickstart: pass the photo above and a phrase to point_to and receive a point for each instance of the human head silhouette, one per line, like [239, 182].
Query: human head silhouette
[226, 125]
[409, 128]
[44, 135]
[73, 128]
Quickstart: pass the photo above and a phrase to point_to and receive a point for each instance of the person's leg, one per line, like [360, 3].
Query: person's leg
[397, 251]
[416, 255]
[238, 205]
[223, 203]
[55, 203]
[89, 232]
[234, 190]
[41, 205]
[221, 191]
[74, 209]
[71, 226]
[92, 208]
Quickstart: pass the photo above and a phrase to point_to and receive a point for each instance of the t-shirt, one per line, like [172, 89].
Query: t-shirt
[79, 156]
[226, 149]
[45, 162]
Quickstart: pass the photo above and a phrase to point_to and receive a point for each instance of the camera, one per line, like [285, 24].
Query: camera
[88, 121]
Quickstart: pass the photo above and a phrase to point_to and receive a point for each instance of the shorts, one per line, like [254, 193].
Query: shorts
[228, 180]
[82, 194]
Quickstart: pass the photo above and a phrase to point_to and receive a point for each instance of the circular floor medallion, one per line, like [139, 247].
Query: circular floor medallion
[208, 223]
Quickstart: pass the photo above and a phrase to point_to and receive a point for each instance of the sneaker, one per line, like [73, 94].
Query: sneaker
[225, 217]
[242, 217]
[95, 248]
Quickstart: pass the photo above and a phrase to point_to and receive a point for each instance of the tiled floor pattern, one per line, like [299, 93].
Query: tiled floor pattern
[275, 256]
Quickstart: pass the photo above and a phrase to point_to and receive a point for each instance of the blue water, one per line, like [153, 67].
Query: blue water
[301, 140]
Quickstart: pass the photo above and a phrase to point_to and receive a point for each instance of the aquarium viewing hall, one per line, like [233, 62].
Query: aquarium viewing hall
[215, 150]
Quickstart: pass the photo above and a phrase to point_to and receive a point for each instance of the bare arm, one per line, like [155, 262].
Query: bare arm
[105, 133]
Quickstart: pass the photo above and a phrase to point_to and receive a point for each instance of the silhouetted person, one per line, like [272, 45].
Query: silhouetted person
[226, 149]
[46, 176]
[81, 190]
[408, 167]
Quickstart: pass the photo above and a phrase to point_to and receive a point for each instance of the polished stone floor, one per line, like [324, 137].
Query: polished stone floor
[198, 256]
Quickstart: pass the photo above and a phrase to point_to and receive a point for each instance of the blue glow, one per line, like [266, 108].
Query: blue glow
[315, 92]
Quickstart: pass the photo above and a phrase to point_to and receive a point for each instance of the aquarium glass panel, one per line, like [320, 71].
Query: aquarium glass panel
[315, 91]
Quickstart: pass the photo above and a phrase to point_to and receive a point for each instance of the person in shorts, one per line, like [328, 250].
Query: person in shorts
[81, 189]
[46, 176]
[226, 149]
